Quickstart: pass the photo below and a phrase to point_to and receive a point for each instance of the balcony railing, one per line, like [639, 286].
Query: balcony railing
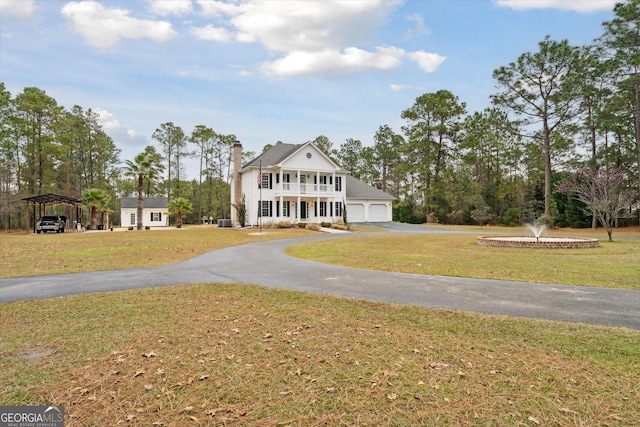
[307, 189]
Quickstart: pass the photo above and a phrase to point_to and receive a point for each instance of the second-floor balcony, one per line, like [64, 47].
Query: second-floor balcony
[287, 188]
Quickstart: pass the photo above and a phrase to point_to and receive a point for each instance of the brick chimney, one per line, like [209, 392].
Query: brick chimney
[237, 180]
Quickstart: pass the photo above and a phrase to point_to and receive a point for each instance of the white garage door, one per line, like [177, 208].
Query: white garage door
[355, 213]
[378, 213]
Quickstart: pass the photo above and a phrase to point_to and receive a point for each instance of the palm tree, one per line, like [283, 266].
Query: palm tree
[95, 199]
[144, 165]
[180, 206]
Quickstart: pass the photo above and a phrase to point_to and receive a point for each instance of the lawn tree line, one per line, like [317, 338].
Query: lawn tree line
[555, 111]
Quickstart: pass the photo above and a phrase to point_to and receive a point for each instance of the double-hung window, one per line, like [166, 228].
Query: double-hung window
[338, 183]
[323, 208]
[266, 207]
[338, 208]
[133, 219]
[266, 177]
[156, 216]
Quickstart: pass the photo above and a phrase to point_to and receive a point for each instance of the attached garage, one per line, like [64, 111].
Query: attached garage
[378, 212]
[355, 212]
[366, 203]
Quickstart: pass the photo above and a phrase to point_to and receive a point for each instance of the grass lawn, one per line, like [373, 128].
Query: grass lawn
[613, 264]
[36, 254]
[245, 355]
[237, 354]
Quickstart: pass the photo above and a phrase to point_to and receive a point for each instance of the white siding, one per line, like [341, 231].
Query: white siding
[125, 217]
[317, 161]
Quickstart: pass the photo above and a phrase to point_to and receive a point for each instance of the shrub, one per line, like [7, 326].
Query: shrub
[511, 217]
[313, 227]
[284, 224]
[325, 224]
[339, 226]
[302, 224]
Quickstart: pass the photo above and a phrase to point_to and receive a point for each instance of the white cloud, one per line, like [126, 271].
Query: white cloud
[107, 120]
[104, 27]
[427, 61]
[212, 33]
[170, 7]
[218, 8]
[397, 87]
[287, 26]
[419, 27]
[17, 8]
[573, 5]
[332, 63]
[315, 37]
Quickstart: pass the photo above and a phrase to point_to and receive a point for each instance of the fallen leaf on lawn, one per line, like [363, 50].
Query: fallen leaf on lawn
[148, 387]
[438, 365]
[286, 393]
[186, 409]
[534, 420]
[392, 396]
[138, 373]
[203, 377]
[149, 354]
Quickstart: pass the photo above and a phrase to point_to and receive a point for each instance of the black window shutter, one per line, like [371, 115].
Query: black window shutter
[270, 208]
[270, 181]
[277, 207]
[160, 216]
[277, 178]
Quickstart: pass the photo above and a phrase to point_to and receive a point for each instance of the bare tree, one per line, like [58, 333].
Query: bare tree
[603, 192]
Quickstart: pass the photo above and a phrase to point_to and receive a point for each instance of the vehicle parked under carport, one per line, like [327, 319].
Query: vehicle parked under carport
[51, 223]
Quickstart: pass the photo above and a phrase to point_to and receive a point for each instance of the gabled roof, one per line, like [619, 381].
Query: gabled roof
[147, 202]
[274, 155]
[281, 152]
[357, 189]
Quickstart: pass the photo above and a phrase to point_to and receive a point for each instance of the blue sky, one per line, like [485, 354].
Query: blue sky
[273, 70]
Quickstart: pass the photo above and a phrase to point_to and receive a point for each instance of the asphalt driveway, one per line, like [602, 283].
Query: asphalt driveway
[264, 263]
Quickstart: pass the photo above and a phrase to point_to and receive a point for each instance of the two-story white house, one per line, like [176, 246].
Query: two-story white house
[299, 183]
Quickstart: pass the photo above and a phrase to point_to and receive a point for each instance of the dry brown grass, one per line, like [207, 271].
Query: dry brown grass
[36, 254]
[613, 264]
[244, 355]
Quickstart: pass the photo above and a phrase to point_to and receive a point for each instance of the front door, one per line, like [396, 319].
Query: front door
[303, 210]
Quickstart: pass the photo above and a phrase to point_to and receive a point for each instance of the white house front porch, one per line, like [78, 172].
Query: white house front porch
[301, 209]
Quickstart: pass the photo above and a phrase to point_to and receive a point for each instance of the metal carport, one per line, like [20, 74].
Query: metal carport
[43, 200]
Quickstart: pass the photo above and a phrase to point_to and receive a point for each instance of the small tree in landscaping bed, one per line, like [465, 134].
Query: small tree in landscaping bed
[603, 192]
[241, 210]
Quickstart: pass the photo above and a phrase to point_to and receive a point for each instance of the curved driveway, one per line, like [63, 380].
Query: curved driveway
[264, 263]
